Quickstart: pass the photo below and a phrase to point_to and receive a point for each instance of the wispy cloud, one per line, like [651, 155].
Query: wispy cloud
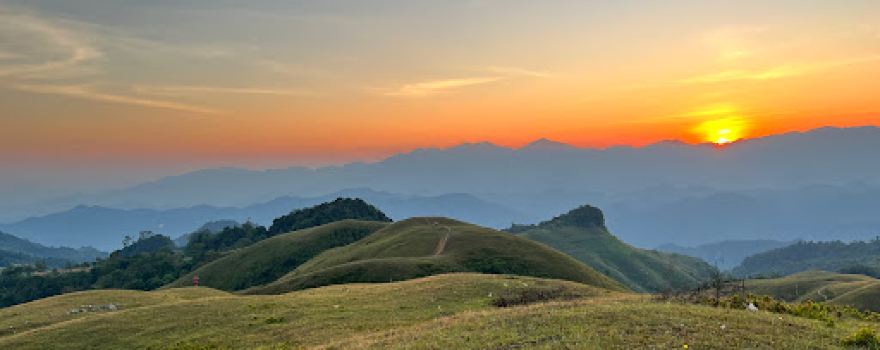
[61, 48]
[433, 87]
[192, 90]
[516, 71]
[88, 92]
[778, 72]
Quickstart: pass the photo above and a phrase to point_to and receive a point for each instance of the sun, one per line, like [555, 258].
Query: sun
[722, 131]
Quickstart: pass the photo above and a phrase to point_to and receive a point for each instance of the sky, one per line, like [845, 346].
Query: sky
[99, 93]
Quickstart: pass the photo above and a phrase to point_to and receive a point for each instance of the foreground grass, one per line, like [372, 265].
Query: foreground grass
[447, 311]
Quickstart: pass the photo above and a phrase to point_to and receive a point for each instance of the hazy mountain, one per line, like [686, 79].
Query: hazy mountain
[726, 254]
[15, 250]
[787, 160]
[820, 184]
[105, 227]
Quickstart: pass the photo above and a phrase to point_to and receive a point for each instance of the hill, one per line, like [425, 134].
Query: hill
[457, 311]
[859, 291]
[105, 226]
[21, 251]
[325, 213]
[725, 254]
[582, 234]
[855, 257]
[421, 247]
[269, 259]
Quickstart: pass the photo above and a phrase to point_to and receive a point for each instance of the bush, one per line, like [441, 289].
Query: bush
[864, 338]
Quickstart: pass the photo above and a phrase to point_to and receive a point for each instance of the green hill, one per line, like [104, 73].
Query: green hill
[457, 311]
[582, 234]
[855, 257]
[859, 291]
[325, 213]
[428, 246]
[269, 259]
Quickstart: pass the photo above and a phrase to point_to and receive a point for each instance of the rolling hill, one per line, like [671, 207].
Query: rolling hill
[582, 234]
[421, 247]
[104, 226]
[859, 291]
[455, 311]
[854, 257]
[269, 259]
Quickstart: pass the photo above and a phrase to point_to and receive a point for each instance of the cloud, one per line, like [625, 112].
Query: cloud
[54, 41]
[433, 87]
[190, 90]
[778, 72]
[515, 71]
[87, 92]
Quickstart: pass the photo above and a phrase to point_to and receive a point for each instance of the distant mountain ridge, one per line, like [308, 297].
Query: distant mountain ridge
[792, 159]
[105, 227]
[726, 254]
[15, 250]
[818, 184]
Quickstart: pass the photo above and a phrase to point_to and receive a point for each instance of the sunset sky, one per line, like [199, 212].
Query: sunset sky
[142, 88]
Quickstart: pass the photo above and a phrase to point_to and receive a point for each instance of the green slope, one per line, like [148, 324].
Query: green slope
[439, 312]
[582, 234]
[269, 259]
[427, 246]
[859, 291]
[854, 257]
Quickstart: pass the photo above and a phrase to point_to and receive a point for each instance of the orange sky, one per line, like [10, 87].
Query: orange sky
[270, 85]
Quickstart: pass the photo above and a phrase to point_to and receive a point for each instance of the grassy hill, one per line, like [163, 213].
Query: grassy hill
[428, 246]
[269, 259]
[855, 257]
[582, 234]
[859, 291]
[457, 311]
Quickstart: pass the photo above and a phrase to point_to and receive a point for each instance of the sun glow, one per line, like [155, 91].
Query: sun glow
[722, 131]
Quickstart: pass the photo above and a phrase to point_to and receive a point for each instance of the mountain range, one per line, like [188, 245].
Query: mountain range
[819, 184]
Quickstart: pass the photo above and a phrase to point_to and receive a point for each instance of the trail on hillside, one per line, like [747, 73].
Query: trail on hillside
[441, 245]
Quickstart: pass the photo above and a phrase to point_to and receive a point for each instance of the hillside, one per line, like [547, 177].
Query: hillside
[428, 246]
[725, 254]
[457, 311]
[855, 257]
[19, 250]
[269, 259]
[859, 291]
[105, 226]
[582, 234]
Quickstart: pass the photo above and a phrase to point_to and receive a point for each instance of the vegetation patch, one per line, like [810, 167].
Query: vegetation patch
[865, 338]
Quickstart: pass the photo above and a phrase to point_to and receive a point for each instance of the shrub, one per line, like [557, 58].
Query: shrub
[864, 338]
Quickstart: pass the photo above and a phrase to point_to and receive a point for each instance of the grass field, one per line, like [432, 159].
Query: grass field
[859, 291]
[638, 269]
[267, 260]
[444, 311]
[421, 247]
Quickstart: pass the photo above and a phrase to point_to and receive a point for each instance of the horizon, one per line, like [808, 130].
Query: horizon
[130, 88]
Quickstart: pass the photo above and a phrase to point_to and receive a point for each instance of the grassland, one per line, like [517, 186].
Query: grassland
[582, 234]
[427, 246]
[859, 291]
[267, 260]
[444, 311]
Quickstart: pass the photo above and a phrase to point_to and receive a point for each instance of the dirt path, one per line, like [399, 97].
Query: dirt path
[441, 244]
